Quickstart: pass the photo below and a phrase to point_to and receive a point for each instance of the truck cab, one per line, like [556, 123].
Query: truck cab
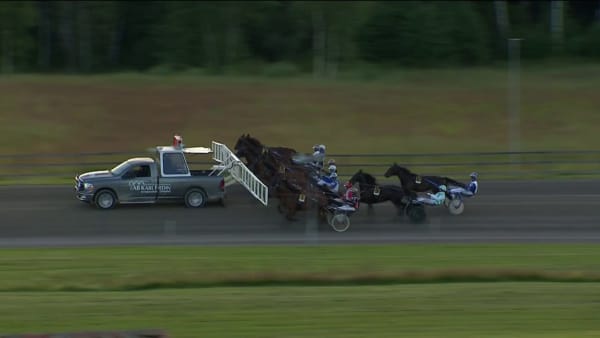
[166, 177]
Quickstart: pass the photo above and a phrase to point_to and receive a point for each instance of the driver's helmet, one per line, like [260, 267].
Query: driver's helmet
[442, 188]
[322, 148]
[316, 147]
[474, 175]
[348, 185]
[332, 169]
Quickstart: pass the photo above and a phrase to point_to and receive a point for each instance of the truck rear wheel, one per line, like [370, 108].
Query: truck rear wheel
[105, 199]
[195, 198]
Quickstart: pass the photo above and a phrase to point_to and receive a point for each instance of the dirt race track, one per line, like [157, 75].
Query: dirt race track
[532, 211]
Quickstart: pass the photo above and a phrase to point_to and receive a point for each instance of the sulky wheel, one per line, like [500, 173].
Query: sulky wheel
[416, 213]
[456, 207]
[339, 222]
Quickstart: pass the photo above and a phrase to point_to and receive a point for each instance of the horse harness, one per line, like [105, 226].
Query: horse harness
[376, 188]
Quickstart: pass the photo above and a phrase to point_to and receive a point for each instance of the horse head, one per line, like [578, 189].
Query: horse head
[369, 179]
[246, 147]
[358, 177]
[254, 142]
[392, 170]
[395, 169]
[363, 178]
[240, 146]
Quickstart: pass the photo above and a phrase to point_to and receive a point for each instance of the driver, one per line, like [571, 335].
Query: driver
[351, 195]
[330, 181]
[470, 189]
[435, 199]
[330, 163]
[319, 155]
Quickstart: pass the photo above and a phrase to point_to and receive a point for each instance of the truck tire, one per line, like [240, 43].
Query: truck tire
[105, 199]
[195, 198]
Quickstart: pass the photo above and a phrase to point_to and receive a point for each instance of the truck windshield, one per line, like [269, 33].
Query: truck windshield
[121, 168]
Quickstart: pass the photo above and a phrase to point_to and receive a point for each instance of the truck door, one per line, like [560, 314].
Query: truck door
[174, 176]
[138, 185]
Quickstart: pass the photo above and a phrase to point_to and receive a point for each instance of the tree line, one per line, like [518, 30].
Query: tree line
[322, 37]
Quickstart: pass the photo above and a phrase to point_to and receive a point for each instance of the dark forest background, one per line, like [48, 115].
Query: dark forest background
[321, 37]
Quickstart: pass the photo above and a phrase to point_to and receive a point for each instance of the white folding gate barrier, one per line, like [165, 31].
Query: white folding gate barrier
[238, 170]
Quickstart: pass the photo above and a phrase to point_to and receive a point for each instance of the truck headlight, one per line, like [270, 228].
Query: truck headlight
[88, 186]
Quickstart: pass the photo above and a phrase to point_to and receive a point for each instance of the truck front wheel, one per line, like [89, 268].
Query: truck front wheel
[105, 199]
[195, 198]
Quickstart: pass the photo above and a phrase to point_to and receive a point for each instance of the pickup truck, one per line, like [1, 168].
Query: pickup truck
[150, 180]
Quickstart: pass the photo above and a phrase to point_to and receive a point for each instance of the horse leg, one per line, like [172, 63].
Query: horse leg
[291, 212]
[321, 215]
[408, 195]
[400, 208]
[290, 216]
[370, 209]
[287, 206]
[322, 221]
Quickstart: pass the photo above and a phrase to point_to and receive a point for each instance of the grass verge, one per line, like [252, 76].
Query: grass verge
[404, 290]
[405, 111]
[402, 111]
[114, 269]
[433, 310]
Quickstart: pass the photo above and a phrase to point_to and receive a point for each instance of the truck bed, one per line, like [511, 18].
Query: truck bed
[200, 172]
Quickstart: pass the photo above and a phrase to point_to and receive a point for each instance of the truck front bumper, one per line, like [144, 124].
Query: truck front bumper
[84, 196]
[81, 193]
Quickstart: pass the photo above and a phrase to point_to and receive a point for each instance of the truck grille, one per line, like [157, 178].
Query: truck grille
[78, 184]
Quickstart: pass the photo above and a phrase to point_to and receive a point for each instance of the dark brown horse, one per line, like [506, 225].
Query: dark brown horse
[293, 184]
[270, 164]
[305, 179]
[372, 193]
[266, 172]
[413, 183]
[294, 197]
[247, 145]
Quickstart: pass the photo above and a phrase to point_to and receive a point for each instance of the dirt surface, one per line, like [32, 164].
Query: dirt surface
[533, 212]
